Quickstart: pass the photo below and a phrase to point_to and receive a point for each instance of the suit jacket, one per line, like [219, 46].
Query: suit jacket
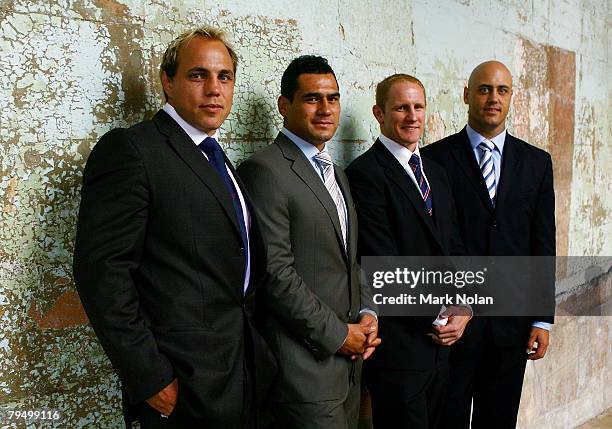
[159, 265]
[394, 222]
[522, 223]
[313, 289]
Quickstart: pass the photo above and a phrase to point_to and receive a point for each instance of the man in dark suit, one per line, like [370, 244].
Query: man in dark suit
[503, 190]
[168, 253]
[318, 317]
[405, 208]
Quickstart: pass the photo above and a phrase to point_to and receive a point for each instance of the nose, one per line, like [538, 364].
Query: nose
[493, 97]
[212, 87]
[324, 107]
[411, 114]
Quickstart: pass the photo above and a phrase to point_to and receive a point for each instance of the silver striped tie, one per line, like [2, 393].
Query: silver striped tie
[327, 167]
[487, 167]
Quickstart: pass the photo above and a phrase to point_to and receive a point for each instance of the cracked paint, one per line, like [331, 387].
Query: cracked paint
[70, 70]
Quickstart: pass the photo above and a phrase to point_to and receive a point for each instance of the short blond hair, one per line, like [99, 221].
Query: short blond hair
[384, 86]
[169, 63]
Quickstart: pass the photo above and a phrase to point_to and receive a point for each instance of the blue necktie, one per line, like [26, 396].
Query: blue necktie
[415, 164]
[487, 167]
[215, 156]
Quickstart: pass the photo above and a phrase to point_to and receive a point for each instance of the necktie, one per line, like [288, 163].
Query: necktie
[415, 164]
[215, 156]
[487, 167]
[327, 167]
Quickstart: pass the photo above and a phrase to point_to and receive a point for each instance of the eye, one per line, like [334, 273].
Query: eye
[226, 76]
[484, 90]
[311, 99]
[333, 98]
[197, 75]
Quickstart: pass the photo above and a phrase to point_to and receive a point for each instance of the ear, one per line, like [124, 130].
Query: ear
[283, 105]
[167, 85]
[465, 95]
[378, 114]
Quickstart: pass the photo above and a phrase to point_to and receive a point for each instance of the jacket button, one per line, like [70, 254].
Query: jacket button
[349, 314]
[494, 224]
[241, 251]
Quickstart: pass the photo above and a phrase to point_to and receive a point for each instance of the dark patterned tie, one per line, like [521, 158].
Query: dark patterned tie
[415, 164]
[215, 156]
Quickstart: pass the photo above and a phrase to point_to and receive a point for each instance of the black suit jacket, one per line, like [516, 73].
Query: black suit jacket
[159, 266]
[393, 221]
[522, 223]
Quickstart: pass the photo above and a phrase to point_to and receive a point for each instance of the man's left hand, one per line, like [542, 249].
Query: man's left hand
[540, 336]
[372, 340]
[458, 318]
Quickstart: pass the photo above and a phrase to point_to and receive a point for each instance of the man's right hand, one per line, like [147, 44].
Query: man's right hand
[355, 342]
[165, 400]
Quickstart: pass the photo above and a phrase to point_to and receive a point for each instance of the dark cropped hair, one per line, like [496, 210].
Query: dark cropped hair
[310, 64]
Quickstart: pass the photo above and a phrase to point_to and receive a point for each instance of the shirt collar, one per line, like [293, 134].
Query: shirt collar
[194, 134]
[308, 149]
[400, 152]
[476, 139]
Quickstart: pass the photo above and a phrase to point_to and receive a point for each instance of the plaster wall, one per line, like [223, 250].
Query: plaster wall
[70, 70]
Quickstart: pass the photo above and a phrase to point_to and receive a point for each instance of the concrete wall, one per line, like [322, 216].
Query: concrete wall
[72, 69]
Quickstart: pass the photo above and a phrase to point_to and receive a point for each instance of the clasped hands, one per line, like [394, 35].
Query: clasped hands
[362, 338]
[458, 318]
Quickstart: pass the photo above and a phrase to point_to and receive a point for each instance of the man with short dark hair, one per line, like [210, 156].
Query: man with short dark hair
[405, 208]
[319, 320]
[168, 255]
[503, 190]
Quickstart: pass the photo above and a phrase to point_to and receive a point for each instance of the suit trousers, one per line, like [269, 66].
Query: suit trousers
[407, 398]
[342, 413]
[492, 376]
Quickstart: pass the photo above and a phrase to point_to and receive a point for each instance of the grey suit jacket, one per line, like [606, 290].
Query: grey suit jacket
[314, 286]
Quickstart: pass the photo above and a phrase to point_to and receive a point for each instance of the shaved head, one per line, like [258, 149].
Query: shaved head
[488, 94]
[486, 68]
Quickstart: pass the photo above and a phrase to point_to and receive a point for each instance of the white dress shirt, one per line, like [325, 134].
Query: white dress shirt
[403, 155]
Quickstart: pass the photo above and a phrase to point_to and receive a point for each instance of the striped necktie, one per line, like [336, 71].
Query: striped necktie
[487, 167]
[415, 164]
[327, 167]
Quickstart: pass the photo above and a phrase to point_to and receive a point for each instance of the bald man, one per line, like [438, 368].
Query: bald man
[503, 189]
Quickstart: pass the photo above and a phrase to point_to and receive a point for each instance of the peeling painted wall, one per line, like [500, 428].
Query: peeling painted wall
[72, 69]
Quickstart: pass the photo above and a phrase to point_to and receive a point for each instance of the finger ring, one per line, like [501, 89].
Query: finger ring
[163, 416]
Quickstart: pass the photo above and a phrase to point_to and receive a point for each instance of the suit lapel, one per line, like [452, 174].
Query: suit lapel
[396, 173]
[303, 169]
[257, 249]
[191, 155]
[463, 153]
[509, 168]
[351, 236]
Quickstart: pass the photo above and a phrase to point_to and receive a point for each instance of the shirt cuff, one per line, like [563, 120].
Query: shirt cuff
[542, 325]
[368, 311]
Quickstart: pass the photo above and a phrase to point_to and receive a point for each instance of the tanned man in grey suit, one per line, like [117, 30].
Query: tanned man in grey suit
[319, 319]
